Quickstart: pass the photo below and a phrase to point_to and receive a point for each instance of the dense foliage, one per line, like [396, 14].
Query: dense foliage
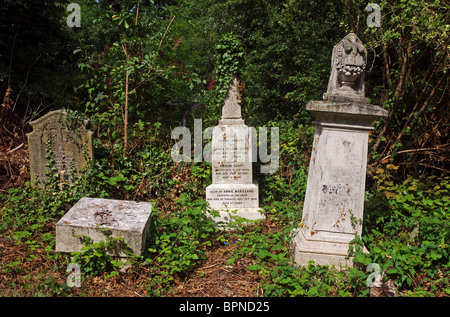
[136, 69]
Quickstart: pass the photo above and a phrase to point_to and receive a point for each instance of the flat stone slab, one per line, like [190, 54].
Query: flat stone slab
[127, 219]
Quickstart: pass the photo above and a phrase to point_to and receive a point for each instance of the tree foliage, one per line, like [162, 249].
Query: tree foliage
[409, 77]
[139, 61]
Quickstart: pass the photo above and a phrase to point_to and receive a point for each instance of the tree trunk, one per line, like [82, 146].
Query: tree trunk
[405, 71]
[125, 116]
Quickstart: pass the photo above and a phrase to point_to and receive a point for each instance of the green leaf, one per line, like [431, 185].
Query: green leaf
[230, 261]
[254, 267]
[360, 258]
[392, 271]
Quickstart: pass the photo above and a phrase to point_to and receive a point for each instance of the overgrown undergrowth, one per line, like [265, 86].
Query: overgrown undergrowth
[406, 232]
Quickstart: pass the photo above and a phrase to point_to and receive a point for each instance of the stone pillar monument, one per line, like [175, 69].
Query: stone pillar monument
[232, 191]
[334, 200]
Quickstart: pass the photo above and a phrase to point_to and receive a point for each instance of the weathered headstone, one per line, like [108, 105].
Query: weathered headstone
[71, 144]
[334, 199]
[90, 216]
[233, 192]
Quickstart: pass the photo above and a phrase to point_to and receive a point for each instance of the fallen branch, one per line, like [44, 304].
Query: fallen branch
[13, 150]
[435, 167]
[437, 148]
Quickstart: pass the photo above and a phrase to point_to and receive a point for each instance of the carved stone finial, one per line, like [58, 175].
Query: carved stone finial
[347, 71]
[231, 110]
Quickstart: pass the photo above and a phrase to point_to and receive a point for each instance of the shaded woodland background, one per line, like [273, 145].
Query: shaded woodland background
[170, 48]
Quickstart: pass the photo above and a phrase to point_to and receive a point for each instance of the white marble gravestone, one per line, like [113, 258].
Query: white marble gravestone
[232, 192]
[89, 216]
[334, 199]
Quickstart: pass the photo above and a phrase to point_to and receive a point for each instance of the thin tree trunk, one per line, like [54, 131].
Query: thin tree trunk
[125, 116]
[413, 116]
[405, 71]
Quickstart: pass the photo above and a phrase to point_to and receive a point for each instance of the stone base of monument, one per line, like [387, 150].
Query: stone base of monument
[231, 215]
[233, 201]
[321, 252]
[93, 217]
[334, 200]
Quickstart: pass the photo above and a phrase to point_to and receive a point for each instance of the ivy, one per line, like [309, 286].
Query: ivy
[229, 64]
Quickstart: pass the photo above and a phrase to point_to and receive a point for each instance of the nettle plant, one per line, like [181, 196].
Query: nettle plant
[96, 258]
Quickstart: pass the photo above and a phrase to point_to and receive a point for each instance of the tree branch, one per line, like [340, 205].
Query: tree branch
[11, 151]
[437, 148]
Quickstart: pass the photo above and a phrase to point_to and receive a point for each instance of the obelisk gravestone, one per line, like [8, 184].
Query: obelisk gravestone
[232, 192]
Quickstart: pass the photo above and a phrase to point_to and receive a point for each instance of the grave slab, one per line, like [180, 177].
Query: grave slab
[70, 142]
[127, 219]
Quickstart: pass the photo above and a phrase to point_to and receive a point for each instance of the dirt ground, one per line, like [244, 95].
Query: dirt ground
[33, 273]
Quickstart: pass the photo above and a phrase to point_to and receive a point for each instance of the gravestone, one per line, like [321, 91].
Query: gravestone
[334, 199]
[233, 192]
[71, 144]
[90, 216]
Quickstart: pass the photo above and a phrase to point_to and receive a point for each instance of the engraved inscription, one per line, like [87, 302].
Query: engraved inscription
[233, 197]
[71, 145]
[336, 206]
